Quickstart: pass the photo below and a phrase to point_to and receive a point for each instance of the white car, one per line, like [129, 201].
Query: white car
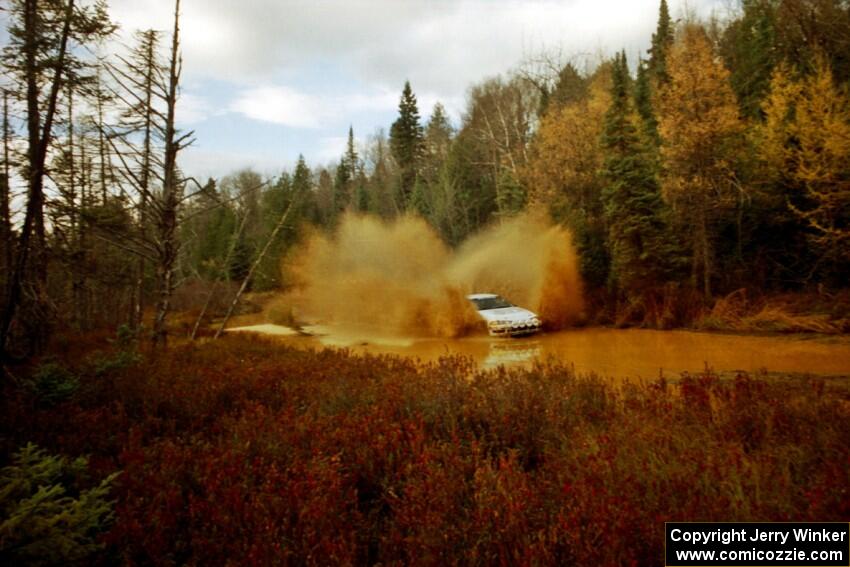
[502, 317]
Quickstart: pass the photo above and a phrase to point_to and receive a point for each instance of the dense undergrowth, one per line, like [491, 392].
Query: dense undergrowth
[244, 451]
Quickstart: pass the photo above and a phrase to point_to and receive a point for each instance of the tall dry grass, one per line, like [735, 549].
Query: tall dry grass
[783, 313]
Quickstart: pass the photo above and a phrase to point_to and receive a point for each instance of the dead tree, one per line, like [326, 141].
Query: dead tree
[40, 58]
[6, 235]
[150, 92]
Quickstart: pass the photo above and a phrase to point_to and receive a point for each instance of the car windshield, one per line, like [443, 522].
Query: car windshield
[496, 302]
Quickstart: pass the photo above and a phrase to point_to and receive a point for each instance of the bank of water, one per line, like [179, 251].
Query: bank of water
[623, 353]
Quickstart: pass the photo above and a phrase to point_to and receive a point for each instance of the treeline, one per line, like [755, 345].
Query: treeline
[718, 161]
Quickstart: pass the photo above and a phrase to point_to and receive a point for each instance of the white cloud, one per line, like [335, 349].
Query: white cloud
[318, 66]
[281, 105]
[330, 148]
[441, 46]
[192, 108]
[202, 163]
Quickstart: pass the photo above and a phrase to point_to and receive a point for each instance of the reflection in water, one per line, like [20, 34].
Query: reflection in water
[512, 352]
[622, 353]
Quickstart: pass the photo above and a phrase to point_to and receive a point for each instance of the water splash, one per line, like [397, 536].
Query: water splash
[399, 277]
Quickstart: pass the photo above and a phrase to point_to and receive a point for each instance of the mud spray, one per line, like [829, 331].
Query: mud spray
[398, 276]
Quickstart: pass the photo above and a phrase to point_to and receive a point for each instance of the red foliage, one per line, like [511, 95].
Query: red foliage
[246, 452]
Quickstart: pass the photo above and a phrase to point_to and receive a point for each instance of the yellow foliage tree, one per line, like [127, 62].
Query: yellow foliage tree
[804, 149]
[820, 159]
[563, 172]
[772, 137]
[700, 130]
[566, 156]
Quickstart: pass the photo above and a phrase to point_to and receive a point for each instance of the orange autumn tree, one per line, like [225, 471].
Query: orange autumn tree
[566, 152]
[563, 171]
[700, 130]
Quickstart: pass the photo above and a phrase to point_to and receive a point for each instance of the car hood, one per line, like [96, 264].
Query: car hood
[510, 314]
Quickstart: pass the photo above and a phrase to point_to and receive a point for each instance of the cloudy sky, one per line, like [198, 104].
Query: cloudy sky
[265, 80]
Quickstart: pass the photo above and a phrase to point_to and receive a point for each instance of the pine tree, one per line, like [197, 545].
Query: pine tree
[351, 159]
[749, 51]
[643, 105]
[634, 211]
[571, 87]
[406, 144]
[346, 175]
[301, 183]
[438, 136]
[662, 39]
[510, 194]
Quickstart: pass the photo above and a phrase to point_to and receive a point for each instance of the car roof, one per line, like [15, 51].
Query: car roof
[481, 296]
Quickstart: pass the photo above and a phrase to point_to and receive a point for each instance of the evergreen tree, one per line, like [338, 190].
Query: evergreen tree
[808, 29]
[345, 175]
[419, 200]
[571, 87]
[406, 144]
[662, 39]
[350, 158]
[634, 211]
[438, 137]
[510, 194]
[275, 202]
[301, 177]
[749, 50]
[644, 108]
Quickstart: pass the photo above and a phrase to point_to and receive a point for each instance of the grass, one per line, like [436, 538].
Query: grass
[791, 313]
[249, 452]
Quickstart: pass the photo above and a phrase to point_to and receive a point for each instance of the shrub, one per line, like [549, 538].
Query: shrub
[52, 383]
[46, 518]
[250, 451]
[103, 364]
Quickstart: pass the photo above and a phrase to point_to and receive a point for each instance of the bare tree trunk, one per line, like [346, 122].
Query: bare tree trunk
[75, 240]
[101, 142]
[254, 266]
[82, 298]
[706, 259]
[5, 192]
[144, 177]
[167, 221]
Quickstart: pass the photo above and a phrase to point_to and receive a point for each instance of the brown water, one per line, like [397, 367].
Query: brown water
[621, 353]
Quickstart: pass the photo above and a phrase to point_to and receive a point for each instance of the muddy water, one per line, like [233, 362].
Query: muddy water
[629, 353]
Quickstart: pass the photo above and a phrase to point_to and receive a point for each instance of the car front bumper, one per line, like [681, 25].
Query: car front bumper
[513, 329]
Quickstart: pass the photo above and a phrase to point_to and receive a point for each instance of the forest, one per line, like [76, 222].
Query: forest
[705, 185]
[717, 163]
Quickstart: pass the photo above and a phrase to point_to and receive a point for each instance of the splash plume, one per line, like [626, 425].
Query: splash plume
[398, 276]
